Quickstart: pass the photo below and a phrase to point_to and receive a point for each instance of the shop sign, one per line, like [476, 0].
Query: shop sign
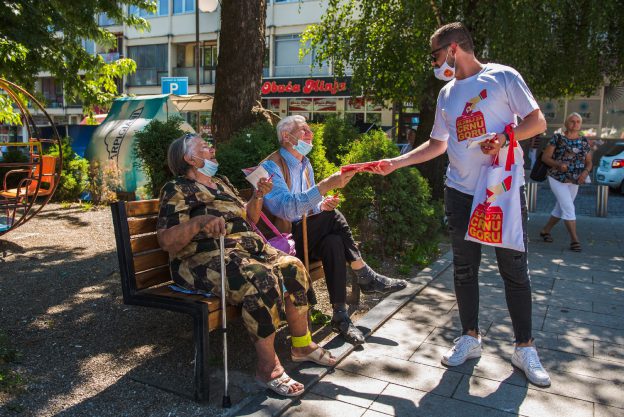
[306, 87]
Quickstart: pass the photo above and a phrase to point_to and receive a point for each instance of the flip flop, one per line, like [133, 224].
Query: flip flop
[319, 356]
[575, 246]
[281, 385]
[547, 237]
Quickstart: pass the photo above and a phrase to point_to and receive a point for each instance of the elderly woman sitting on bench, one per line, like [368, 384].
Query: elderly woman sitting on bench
[195, 208]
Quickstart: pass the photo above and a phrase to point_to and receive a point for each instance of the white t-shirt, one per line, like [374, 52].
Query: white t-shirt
[468, 108]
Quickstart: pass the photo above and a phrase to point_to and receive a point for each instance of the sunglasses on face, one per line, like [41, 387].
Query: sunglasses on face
[188, 137]
[434, 53]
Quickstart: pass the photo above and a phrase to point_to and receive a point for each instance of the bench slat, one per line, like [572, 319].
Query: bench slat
[144, 243]
[141, 208]
[149, 260]
[151, 277]
[141, 225]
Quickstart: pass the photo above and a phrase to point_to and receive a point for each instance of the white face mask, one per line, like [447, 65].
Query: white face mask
[209, 169]
[445, 72]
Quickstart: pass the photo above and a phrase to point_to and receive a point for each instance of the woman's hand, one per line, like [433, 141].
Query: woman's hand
[583, 177]
[264, 187]
[562, 167]
[213, 226]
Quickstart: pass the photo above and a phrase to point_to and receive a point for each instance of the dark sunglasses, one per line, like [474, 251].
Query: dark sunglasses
[434, 53]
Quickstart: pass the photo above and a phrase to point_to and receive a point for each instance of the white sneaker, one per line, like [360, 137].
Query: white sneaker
[466, 347]
[526, 359]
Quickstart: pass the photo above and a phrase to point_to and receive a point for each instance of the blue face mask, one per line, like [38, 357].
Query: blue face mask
[209, 169]
[302, 147]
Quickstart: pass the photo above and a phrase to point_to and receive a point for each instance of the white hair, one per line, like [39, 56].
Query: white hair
[572, 115]
[287, 124]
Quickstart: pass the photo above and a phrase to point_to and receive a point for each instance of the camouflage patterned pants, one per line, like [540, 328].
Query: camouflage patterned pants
[256, 282]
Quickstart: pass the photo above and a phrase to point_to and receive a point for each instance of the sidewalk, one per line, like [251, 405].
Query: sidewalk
[578, 327]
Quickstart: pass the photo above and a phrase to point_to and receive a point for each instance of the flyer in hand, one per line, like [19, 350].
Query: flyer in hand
[361, 167]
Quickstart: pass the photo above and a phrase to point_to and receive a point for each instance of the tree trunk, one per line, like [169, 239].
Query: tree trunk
[239, 67]
[435, 169]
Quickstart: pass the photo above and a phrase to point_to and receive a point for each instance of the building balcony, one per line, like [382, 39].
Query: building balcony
[146, 77]
[299, 71]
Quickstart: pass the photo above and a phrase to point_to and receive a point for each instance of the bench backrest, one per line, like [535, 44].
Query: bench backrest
[142, 262]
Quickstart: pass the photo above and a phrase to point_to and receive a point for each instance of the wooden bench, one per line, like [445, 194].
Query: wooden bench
[145, 276]
[145, 280]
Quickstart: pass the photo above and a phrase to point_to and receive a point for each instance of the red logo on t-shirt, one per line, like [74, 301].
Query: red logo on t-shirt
[471, 124]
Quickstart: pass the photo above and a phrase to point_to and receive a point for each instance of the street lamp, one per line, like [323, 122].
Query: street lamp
[207, 6]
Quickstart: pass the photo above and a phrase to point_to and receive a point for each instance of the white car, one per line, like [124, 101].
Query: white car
[611, 168]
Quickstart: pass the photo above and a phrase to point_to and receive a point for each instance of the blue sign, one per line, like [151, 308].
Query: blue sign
[175, 85]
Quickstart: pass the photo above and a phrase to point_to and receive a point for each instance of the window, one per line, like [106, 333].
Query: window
[89, 46]
[151, 63]
[210, 56]
[287, 62]
[104, 20]
[183, 6]
[162, 10]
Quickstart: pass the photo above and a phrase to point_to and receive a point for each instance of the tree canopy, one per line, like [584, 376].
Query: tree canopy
[562, 48]
[38, 35]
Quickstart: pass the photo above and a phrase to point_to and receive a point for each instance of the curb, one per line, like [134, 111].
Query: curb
[266, 404]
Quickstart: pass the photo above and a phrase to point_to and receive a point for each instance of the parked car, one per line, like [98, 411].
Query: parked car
[611, 168]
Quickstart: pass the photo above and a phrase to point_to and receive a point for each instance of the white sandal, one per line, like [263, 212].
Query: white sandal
[319, 356]
[281, 385]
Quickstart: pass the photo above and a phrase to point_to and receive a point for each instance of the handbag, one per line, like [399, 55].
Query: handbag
[281, 241]
[496, 216]
[539, 170]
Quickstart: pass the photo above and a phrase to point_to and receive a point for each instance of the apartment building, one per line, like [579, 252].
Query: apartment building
[289, 86]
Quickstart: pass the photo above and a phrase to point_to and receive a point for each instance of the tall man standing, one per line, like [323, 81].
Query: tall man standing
[478, 99]
[294, 195]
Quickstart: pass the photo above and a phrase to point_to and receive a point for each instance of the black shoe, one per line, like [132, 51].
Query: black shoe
[383, 285]
[351, 333]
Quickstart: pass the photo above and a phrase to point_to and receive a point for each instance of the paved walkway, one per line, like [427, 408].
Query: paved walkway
[578, 327]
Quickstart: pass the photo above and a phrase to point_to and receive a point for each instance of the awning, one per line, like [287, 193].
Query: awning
[195, 102]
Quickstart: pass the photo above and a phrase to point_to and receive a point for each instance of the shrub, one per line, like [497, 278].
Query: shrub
[74, 174]
[391, 215]
[245, 149]
[336, 135]
[13, 154]
[150, 148]
[318, 155]
[104, 181]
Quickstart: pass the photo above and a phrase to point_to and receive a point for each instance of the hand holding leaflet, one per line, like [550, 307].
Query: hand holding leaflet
[360, 167]
[472, 142]
[254, 174]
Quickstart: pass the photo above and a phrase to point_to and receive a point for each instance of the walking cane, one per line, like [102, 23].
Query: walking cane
[227, 403]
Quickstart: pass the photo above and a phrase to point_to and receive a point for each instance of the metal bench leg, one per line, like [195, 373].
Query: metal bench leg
[201, 338]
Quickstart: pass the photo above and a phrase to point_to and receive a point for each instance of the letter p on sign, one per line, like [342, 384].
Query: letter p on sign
[174, 85]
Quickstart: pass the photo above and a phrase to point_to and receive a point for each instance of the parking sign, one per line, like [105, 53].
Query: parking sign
[175, 85]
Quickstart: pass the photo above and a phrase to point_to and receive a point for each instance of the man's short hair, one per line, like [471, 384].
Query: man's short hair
[454, 32]
[287, 124]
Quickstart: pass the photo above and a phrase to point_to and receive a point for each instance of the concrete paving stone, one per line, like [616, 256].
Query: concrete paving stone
[605, 411]
[403, 372]
[589, 331]
[585, 317]
[442, 295]
[405, 402]
[590, 269]
[397, 338]
[609, 351]
[615, 279]
[559, 300]
[565, 343]
[316, 405]
[557, 361]
[586, 388]
[540, 274]
[349, 388]
[371, 413]
[519, 400]
[588, 262]
[423, 308]
[502, 329]
[606, 308]
[487, 366]
[594, 290]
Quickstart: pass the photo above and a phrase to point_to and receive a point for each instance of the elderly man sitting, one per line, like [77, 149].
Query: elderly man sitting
[295, 194]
